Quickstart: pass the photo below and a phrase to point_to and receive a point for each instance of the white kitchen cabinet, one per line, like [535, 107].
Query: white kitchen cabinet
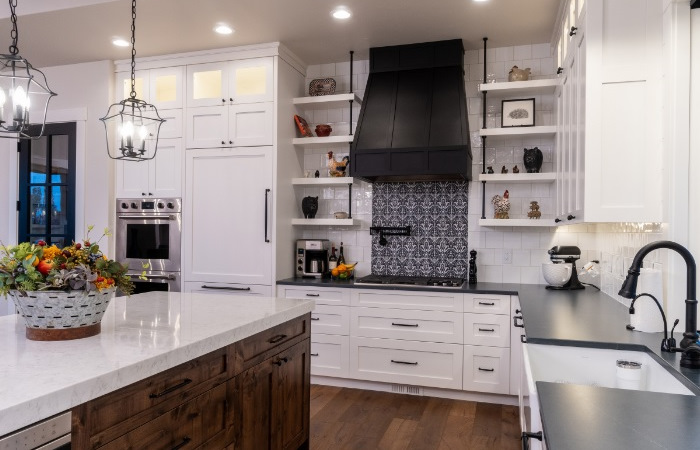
[487, 303]
[227, 205]
[516, 348]
[232, 82]
[162, 87]
[486, 369]
[404, 299]
[227, 288]
[491, 330]
[330, 319]
[159, 177]
[611, 113]
[244, 125]
[330, 355]
[322, 296]
[427, 326]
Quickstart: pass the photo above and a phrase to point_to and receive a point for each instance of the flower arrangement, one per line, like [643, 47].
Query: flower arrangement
[79, 266]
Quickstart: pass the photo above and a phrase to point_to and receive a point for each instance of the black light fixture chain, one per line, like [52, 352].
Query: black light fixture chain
[133, 49]
[13, 34]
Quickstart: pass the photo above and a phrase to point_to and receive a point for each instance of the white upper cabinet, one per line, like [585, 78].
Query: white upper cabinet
[159, 177]
[230, 83]
[164, 87]
[609, 113]
[245, 125]
[141, 85]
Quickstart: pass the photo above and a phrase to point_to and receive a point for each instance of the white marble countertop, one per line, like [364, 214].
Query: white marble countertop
[141, 335]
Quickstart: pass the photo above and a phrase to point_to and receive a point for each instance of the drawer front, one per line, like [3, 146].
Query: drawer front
[330, 355]
[259, 347]
[112, 415]
[487, 304]
[486, 369]
[321, 296]
[428, 301]
[492, 330]
[417, 363]
[328, 319]
[427, 326]
[201, 420]
[228, 288]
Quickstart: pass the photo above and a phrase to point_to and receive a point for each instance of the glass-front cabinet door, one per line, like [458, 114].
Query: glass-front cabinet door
[251, 81]
[207, 84]
[166, 87]
[141, 84]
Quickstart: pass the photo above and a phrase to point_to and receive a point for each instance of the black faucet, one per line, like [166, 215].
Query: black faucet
[691, 352]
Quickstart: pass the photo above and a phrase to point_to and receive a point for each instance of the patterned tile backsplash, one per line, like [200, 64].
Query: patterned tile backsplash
[437, 215]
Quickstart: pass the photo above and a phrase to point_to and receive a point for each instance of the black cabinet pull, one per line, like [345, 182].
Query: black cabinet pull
[223, 100]
[557, 220]
[267, 192]
[404, 362]
[572, 32]
[278, 338]
[487, 329]
[314, 354]
[525, 437]
[523, 339]
[225, 288]
[487, 303]
[143, 193]
[570, 217]
[315, 318]
[184, 383]
[518, 311]
[313, 295]
[280, 361]
[223, 142]
[515, 322]
[414, 325]
[184, 442]
[560, 70]
[486, 370]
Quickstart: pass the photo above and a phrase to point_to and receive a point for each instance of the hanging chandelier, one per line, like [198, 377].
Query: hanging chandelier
[21, 85]
[137, 122]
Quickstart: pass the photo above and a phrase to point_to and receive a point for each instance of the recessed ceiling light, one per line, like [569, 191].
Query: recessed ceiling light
[222, 28]
[119, 42]
[341, 13]
[481, 1]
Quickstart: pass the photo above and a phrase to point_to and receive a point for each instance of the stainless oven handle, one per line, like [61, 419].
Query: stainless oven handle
[163, 217]
[152, 277]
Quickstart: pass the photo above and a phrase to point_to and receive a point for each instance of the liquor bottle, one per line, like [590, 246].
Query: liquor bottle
[341, 257]
[332, 260]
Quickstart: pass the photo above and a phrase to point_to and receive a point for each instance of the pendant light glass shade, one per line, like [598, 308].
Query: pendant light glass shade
[21, 86]
[132, 126]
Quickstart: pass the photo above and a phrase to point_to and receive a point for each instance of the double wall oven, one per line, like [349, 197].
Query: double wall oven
[148, 233]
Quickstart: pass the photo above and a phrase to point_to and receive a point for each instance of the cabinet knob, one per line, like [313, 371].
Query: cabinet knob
[572, 32]
[223, 100]
[223, 142]
[557, 220]
[151, 194]
[570, 217]
[230, 99]
[143, 194]
[560, 70]
[230, 142]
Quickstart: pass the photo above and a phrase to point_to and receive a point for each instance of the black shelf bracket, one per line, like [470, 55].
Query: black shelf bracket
[389, 231]
[483, 139]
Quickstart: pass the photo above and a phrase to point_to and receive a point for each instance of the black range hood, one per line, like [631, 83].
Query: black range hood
[413, 121]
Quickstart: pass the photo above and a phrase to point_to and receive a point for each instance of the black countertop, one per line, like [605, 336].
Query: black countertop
[585, 417]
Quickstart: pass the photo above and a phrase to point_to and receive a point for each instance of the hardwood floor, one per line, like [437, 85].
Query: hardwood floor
[343, 418]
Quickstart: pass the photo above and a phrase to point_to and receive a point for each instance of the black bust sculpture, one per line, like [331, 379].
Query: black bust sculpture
[472, 267]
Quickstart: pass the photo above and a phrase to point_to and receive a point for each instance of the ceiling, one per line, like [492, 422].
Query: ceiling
[57, 32]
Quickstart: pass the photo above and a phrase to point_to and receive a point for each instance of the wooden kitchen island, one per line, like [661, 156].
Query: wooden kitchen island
[169, 370]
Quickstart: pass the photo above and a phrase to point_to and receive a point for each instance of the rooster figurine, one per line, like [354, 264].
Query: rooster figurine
[501, 206]
[337, 168]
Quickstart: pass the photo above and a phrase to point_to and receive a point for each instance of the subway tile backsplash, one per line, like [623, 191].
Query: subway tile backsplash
[526, 248]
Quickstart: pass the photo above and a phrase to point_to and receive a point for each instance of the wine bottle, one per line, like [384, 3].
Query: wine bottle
[332, 260]
[341, 257]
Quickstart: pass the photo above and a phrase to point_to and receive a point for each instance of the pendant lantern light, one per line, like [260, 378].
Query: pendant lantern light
[136, 121]
[21, 85]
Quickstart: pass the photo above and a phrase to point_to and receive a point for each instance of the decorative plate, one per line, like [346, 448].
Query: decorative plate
[322, 86]
[304, 128]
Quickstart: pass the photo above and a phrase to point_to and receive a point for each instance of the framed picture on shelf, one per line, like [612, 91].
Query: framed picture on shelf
[518, 113]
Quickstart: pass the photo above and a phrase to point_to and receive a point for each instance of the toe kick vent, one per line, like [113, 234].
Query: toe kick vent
[406, 389]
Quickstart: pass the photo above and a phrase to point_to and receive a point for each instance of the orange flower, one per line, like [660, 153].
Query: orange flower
[51, 252]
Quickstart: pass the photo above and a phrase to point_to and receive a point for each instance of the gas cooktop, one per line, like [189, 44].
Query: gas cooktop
[406, 281]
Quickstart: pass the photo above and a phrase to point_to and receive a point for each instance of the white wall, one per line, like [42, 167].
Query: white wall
[84, 92]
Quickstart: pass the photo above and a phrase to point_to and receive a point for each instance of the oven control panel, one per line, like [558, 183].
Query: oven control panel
[149, 205]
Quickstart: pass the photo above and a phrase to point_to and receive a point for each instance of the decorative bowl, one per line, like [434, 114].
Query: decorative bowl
[556, 274]
[341, 215]
[323, 130]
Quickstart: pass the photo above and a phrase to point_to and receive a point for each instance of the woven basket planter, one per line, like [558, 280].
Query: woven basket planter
[59, 316]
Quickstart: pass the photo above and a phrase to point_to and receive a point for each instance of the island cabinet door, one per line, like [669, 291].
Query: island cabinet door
[272, 402]
[228, 205]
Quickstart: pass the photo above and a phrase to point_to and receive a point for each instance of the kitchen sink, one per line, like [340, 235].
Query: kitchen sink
[596, 367]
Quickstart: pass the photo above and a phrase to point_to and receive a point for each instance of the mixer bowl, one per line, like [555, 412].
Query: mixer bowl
[556, 274]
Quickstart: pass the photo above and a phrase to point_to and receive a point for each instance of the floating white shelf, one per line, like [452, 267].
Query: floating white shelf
[326, 101]
[517, 223]
[516, 178]
[343, 222]
[548, 130]
[520, 88]
[327, 181]
[320, 141]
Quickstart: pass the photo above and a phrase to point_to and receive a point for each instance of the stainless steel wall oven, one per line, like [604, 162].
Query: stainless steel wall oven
[150, 231]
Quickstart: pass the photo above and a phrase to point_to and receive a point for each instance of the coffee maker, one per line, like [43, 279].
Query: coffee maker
[311, 257]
